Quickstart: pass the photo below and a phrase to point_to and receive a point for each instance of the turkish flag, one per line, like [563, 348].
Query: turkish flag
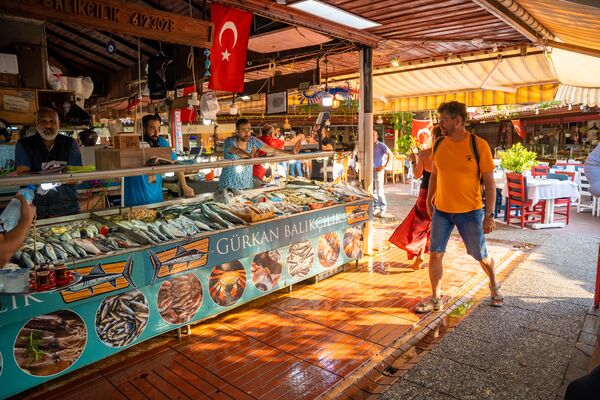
[228, 52]
[518, 125]
[421, 130]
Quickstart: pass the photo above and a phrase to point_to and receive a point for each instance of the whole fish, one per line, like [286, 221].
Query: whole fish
[188, 229]
[86, 245]
[50, 253]
[177, 231]
[100, 245]
[26, 260]
[98, 276]
[65, 237]
[80, 251]
[154, 228]
[123, 240]
[227, 215]
[147, 235]
[60, 252]
[70, 249]
[199, 217]
[214, 216]
[166, 230]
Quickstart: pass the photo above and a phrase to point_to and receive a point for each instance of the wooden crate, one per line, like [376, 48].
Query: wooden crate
[126, 141]
[107, 159]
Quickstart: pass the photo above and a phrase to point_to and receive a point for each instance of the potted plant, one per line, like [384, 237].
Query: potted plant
[402, 123]
[517, 159]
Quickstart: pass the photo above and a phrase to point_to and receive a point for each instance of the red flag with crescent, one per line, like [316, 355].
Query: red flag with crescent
[518, 125]
[228, 52]
[421, 130]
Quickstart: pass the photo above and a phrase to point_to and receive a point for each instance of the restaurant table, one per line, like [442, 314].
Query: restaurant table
[549, 190]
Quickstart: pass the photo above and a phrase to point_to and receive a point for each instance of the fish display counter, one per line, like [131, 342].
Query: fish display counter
[133, 274]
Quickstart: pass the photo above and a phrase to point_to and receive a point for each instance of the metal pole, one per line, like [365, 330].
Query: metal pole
[366, 110]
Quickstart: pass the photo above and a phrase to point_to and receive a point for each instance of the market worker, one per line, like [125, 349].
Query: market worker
[11, 241]
[147, 189]
[45, 150]
[243, 145]
[268, 137]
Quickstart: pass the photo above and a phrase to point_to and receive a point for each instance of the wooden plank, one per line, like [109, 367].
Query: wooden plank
[119, 17]
[201, 372]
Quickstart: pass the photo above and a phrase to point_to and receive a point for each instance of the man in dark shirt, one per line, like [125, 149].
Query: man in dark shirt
[32, 154]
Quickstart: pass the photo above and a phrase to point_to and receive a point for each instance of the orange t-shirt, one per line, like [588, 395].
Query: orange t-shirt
[458, 187]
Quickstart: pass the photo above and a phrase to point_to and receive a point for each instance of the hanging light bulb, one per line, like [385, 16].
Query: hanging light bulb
[206, 121]
[379, 120]
[335, 103]
[233, 110]
[327, 98]
[395, 63]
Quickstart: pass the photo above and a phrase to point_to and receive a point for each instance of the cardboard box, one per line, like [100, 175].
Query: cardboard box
[107, 159]
[126, 141]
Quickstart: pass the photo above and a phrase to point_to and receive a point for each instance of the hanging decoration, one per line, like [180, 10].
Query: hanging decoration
[207, 63]
[313, 96]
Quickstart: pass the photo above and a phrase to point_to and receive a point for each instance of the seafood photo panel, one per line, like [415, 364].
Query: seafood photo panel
[122, 318]
[179, 298]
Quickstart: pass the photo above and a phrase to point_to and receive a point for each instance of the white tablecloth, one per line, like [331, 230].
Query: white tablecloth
[547, 189]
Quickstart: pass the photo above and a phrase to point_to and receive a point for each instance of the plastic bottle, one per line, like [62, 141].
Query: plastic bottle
[12, 213]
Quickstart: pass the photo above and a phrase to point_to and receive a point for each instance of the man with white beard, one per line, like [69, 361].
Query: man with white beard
[45, 150]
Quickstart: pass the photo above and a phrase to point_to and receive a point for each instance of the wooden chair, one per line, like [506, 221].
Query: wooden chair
[571, 175]
[559, 204]
[518, 202]
[539, 170]
[586, 200]
[398, 169]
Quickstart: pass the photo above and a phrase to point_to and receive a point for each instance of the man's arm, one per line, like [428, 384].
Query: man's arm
[431, 190]
[185, 188]
[271, 151]
[11, 241]
[489, 224]
[239, 152]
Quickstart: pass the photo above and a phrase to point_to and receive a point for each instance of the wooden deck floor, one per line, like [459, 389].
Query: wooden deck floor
[296, 345]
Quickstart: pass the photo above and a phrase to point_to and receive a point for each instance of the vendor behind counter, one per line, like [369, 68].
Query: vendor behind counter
[46, 150]
[147, 189]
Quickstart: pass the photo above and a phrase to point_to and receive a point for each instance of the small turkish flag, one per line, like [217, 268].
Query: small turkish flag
[421, 130]
[228, 52]
[518, 125]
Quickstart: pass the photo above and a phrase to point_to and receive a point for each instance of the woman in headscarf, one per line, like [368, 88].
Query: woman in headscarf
[413, 233]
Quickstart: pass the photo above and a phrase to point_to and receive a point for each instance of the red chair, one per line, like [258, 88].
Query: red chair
[559, 204]
[539, 170]
[518, 202]
[571, 175]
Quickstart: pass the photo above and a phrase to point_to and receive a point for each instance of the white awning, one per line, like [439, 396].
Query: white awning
[578, 95]
[505, 75]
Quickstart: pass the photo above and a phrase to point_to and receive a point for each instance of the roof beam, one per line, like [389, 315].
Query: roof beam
[516, 17]
[292, 16]
[574, 48]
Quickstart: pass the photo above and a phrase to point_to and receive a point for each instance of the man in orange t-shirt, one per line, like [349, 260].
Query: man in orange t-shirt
[454, 199]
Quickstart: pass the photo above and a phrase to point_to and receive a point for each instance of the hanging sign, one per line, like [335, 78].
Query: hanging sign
[118, 17]
[178, 131]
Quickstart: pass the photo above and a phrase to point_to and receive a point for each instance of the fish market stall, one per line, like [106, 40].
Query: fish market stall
[132, 274]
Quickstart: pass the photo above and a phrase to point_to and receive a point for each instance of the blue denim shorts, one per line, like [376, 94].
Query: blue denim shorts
[470, 227]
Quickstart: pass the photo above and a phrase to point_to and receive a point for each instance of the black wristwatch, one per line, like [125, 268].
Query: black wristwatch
[490, 214]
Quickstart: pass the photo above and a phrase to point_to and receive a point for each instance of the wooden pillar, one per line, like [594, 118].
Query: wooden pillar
[365, 130]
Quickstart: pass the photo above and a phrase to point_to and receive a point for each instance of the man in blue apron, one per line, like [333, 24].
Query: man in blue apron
[42, 151]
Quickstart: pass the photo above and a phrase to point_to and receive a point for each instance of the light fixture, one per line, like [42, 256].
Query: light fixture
[395, 62]
[206, 121]
[245, 98]
[233, 108]
[334, 14]
[326, 98]
[379, 120]
[336, 103]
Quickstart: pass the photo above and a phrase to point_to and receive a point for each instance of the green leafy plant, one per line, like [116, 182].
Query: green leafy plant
[402, 122]
[34, 340]
[517, 159]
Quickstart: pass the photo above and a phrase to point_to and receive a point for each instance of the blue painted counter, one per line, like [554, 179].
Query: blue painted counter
[129, 297]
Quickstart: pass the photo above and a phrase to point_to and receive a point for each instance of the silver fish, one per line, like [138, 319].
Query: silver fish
[86, 245]
[26, 260]
[50, 253]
